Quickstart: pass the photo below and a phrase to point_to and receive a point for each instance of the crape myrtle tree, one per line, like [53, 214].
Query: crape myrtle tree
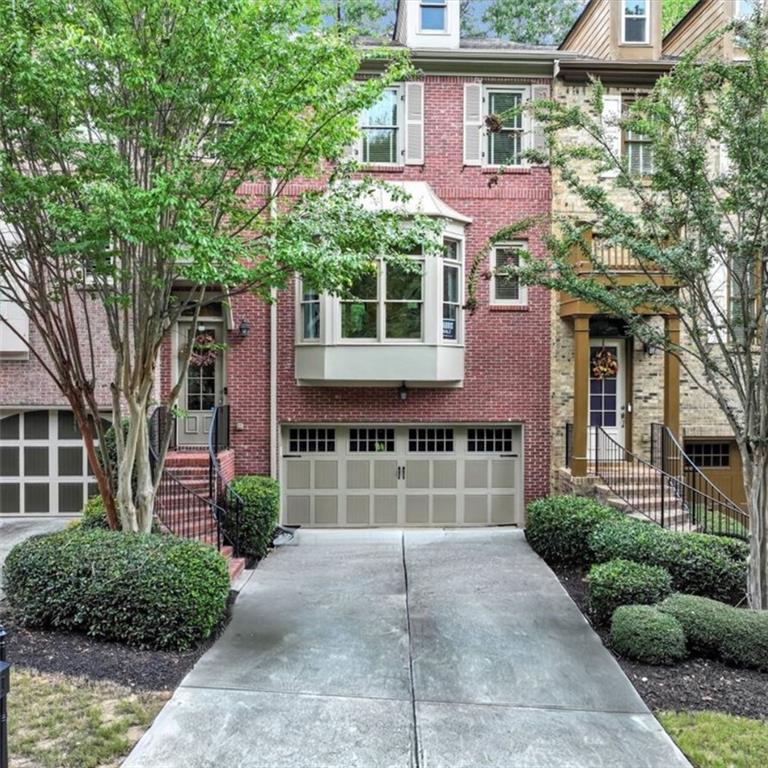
[127, 131]
[700, 218]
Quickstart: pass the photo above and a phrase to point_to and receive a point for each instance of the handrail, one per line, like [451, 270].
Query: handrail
[662, 440]
[667, 500]
[177, 505]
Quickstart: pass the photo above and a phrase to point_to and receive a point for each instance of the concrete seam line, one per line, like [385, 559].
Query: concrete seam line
[416, 748]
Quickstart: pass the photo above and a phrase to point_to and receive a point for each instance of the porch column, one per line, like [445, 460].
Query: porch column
[580, 395]
[672, 377]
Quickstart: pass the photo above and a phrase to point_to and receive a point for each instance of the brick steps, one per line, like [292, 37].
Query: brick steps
[187, 516]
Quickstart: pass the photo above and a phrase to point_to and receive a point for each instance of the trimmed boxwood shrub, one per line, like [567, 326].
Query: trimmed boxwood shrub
[623, 582]
[745, 643]
[704, 621]
[259, 516]
[736, 635]
[699, 564]
[94, 516]
[559, 527]
[645, 634]
[147, 590]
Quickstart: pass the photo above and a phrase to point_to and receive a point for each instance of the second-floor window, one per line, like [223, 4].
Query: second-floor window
[310, 314]
[505, 287]
[505, 129]
[635, 21]
[385, 304]
[433, 15]
[380, 129]
[638, 152]
[452, 267]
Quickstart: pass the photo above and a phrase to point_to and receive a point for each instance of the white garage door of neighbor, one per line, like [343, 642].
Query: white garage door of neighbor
[402, 475]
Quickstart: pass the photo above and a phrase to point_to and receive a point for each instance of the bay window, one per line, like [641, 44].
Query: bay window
[310, 314]
[635, 21]
[451, 290]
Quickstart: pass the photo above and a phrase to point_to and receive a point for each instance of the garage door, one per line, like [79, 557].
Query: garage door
[43, 464]
[402, 475]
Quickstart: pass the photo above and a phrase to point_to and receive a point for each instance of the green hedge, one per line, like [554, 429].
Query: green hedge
[736, 635]
[94, 516]
[704, 621]
[645, 634]
[148, 591]
[700, 564]
[259, 516]
[559, 528]
[623, 582]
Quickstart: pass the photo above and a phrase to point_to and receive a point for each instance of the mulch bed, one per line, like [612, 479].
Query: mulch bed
[72, 654]
[696, 684]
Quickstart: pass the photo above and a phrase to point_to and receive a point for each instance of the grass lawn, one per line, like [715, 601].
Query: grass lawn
[69, 722]
[716, 740]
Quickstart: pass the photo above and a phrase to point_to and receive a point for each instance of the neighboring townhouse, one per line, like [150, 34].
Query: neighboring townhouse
[602, 377]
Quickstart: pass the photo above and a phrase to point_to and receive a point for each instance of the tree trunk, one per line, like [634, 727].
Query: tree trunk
[145, 490]
[756, 481]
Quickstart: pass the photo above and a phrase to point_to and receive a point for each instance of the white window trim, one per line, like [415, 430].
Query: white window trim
[525, 95]
[437, 4]
[432, 307]
[522, 299]
[401, 126]
[647, 17]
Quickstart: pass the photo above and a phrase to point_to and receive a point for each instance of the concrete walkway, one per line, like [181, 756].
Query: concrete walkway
[422, 649]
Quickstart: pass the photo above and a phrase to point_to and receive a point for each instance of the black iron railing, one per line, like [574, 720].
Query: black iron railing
[184, 511]
[667, 499]
[5, 687]
[219, 489]
[710, 509]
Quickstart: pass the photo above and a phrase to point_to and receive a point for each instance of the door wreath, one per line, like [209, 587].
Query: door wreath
[204, 350]
[604, 365]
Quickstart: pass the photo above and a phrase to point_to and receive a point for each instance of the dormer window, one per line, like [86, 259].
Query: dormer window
[635, 21]
[433, 15]
[745, 8]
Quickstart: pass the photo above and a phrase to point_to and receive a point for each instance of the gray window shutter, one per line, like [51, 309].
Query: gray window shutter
[473, 124]
[414, 123]
[539, 138]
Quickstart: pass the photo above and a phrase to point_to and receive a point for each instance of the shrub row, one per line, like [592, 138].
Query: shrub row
[700, 564]
[559, 528]
[257, 519]
[646, 634]
[575, 531]
[735, 635]
[149, 591]
[623, 582]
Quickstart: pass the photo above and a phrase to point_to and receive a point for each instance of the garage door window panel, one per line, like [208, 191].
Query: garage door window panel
[312, 440]
[371, 440]
[430, 440]
[490, 440]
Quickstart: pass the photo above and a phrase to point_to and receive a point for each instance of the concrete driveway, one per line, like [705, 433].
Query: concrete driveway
[415, 649]
[14, 531]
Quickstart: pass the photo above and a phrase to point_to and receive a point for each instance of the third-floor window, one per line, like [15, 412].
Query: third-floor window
[505, 134]
[380, 128]
[635, 21]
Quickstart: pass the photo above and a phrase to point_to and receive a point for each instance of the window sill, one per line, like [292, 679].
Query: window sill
[506, 170]
[381, 168]
[509, 307]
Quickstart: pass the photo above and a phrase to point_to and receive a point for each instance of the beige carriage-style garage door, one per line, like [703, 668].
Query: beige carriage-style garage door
[402, 475]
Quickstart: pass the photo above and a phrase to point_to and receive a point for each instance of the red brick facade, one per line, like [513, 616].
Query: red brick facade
[507, 353]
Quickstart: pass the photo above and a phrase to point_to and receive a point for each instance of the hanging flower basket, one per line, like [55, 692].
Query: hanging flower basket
[204, 350]
[604, 365]
[494, 123]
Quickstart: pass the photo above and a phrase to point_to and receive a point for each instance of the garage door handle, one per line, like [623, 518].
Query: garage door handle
[509, 456]
[291, 455]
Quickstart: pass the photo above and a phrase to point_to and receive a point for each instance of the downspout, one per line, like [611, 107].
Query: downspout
[273, 436]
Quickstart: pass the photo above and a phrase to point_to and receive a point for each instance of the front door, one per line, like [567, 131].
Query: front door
[202, 389]
[606, 391]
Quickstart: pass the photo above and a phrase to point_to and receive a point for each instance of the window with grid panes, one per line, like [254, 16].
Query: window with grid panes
[430, 440]
[371, 440]
[709, 455]
[380, 129]
[506, 288]
[505, 146]
[489, 440]
[311, 440]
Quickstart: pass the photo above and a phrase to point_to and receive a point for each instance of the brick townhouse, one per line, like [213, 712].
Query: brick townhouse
[401, 404]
